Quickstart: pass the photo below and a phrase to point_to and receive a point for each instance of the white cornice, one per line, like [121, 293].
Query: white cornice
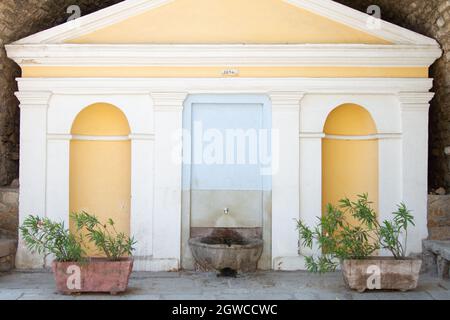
[34, 99]
[129, 8]
[415, 101]
[168, 90]
[225, 55]
[286, 99]
[94, 21]
[415, 97]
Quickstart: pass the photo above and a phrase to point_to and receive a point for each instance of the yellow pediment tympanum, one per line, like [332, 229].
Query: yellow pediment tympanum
[227, 22]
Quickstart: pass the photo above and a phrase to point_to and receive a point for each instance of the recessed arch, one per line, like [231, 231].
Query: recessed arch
[100, 165]
[349, 155]
[101, 119]
[350, 119]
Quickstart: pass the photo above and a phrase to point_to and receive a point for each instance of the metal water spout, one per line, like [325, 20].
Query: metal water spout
[226, 220]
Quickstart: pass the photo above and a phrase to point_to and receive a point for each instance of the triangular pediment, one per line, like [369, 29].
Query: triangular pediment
[226, 22]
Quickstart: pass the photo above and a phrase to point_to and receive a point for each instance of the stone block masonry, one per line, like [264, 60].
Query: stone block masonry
[9, 205]
[439, 217]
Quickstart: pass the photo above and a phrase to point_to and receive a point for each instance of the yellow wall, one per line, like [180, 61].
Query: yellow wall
[228, 21]
[216, 72]
[349, 167]
[100, 171]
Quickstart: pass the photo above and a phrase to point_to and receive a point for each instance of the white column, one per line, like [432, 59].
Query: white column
[142, 199]
[285, 179]
[389, 177]
[414, 108]
[58, 172]
[310, 184]
[33, 153]
[168, 174]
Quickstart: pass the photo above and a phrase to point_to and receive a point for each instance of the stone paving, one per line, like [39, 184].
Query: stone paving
[207, 286]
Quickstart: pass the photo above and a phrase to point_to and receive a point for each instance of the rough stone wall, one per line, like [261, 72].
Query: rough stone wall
[9, 208]
[439, 217]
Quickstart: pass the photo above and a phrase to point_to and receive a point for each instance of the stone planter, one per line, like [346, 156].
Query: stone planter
[96, 275]
[392, 274]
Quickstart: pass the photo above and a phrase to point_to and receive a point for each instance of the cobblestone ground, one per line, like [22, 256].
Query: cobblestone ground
[206, 286]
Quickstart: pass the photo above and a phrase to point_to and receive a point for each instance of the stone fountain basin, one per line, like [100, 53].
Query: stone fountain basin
[240, 256]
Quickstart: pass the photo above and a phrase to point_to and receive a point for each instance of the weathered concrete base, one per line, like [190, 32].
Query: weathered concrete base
[155, 265]
[27, 260]
[294, 263]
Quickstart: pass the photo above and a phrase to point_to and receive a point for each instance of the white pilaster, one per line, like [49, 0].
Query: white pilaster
[414, 108]
[389, 177]
[310, 183]
[58, 172]
[33, 164]
[168, 108]
[142, 199]
[285, 179]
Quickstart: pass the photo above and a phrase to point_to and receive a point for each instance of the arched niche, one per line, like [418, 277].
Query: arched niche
[349, 155]
[100, 165]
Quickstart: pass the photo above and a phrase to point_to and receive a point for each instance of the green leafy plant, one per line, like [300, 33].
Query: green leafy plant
[43, 236]
[46, 237]
[391, 232]
[338, 238]
[104, 236]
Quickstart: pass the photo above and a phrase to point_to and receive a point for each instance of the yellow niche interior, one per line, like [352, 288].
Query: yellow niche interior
[349, 167]
[100, 171]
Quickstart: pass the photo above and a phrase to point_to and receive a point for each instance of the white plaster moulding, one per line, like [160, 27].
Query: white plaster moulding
[127, 9]
[312, 55]
[378, 136]
[415, 89]
[100, 138]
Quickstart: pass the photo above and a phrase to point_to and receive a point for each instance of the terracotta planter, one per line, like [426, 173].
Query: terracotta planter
[393, 274]
[96, 275]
